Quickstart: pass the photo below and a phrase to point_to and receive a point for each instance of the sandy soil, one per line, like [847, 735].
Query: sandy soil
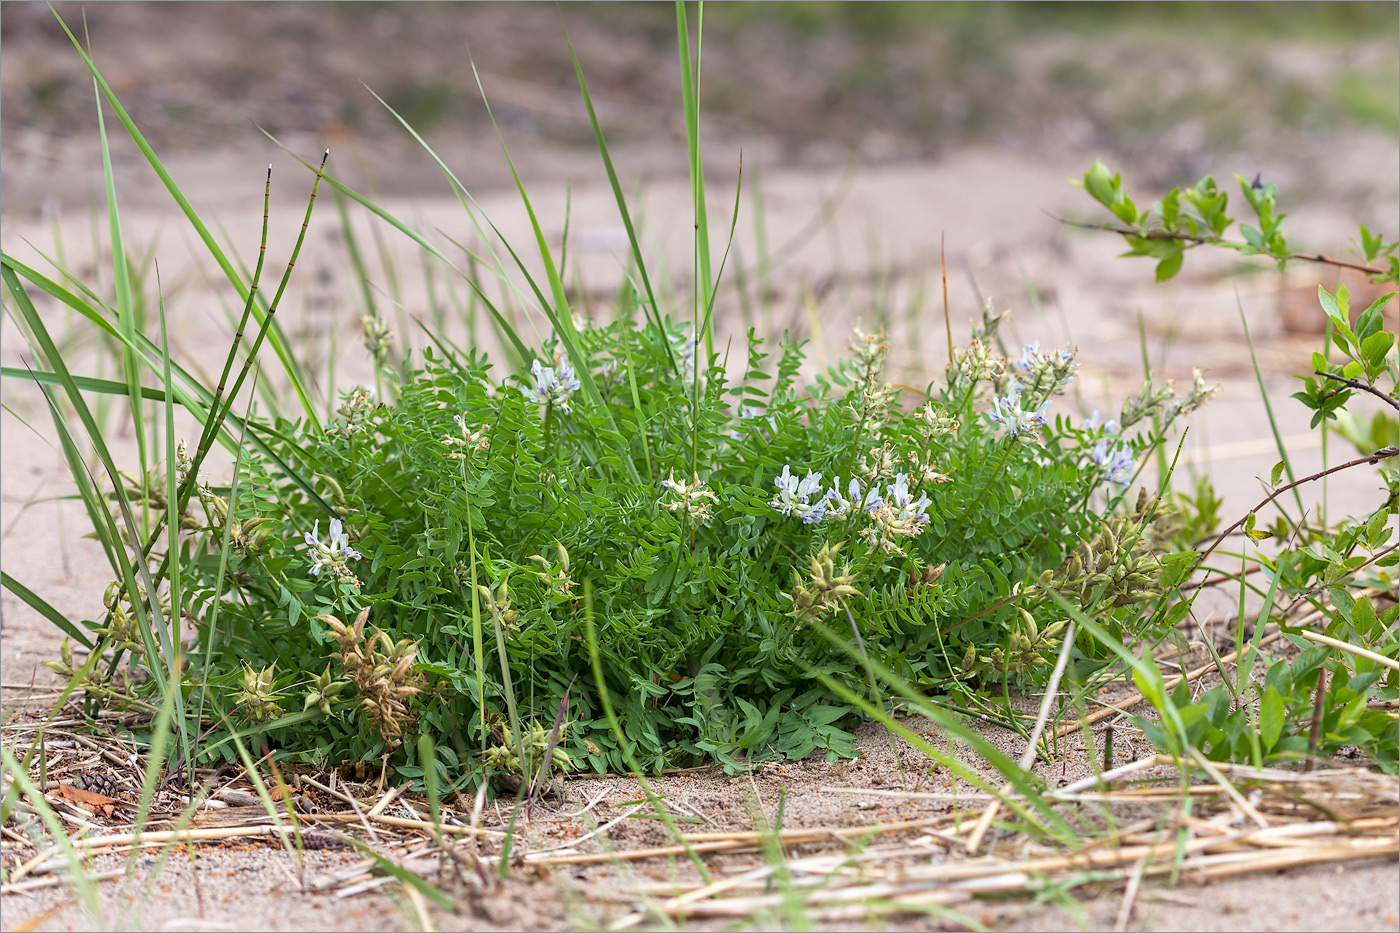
[897, 191]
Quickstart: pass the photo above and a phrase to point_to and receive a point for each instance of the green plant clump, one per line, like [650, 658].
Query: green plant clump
[710, 520]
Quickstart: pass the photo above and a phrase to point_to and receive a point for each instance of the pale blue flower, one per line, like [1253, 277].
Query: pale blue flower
[552, 388]
[794, 497]
[840, 504]
[1007, 411]
[331, 554]
[906, 511]
[1117, 462]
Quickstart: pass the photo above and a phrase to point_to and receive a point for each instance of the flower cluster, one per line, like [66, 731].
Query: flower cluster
[899, 514]
[379, 338]
[796, 497]
[258, 698]
[1047, 373]
[1163, 402]
[871, 350]
[840, 504]
[552, 387]
[825, 590]
[973, 365]
[1116, 460]
[380, 670]
[356, 407]
[332, 554]
[1019, 422]
[896, 513]
[555, 576]
[934, 423]
[692, 497]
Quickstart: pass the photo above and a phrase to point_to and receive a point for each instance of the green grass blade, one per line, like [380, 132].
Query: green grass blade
[147, 623]
[652, 310]
[690, 77]
[284, 354]
[126, 314]
[559, 315]
[188, 390]
[1269, 411]
[415, 236]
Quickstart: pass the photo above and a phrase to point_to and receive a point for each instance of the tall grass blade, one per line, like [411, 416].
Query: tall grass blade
[501, 323]
[652, 309]
[280, 344]
[559, 314]
[690, 79]
[126, 313]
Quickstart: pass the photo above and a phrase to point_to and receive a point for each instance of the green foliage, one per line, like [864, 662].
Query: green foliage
[704, 573]
[1313, 699]
[1185, 218]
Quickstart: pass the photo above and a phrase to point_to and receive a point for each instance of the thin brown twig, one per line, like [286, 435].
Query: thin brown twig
[1359, 386]
[1385, 453]
[1203, 240]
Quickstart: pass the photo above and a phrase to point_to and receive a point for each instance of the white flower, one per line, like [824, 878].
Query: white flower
[795, 497]
[551, 388]
[899, 515]
[332, 554]
[840, 504]
[1007, 411]
[907, 515]
[690, 496]
[1053, 370]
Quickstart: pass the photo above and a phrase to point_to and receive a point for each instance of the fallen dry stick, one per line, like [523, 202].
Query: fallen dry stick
[53, 881]
[723, 842]
[1321, 639]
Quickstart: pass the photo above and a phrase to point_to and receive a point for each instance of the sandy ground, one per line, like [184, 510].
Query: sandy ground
[988, 197]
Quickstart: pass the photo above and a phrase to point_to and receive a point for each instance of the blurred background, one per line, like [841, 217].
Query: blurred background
[1170, 90]
[875, 139]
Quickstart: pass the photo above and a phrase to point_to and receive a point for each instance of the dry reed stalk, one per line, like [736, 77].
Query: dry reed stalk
[89, 844]
[1321, 639]
[384, 801]
[903, 794]
[1028, 756]
[53, 881]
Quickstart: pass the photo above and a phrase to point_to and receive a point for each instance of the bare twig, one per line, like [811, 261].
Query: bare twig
[1321, 639]
[1203, 240]
[1359, 386]
[1385, 453]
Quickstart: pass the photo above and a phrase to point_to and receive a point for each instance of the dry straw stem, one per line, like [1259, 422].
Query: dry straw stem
[1321, 639]
[1361, 823]
[725, 842]
[53, 881]
[1028, 756]
[952, 882]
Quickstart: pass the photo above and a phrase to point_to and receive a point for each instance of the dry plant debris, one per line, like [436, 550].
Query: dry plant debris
[1136, 821]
